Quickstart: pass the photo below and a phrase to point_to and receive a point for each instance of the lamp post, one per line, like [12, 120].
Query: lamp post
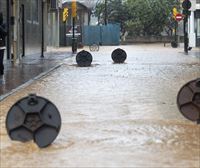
[186, 41]
[42, 46]
[74, 39]
[106, 12]
[8, 28]
[186, 6]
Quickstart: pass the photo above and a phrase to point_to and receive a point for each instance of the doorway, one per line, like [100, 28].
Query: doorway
[22, 30]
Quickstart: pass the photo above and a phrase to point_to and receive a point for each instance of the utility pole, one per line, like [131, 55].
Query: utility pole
[186, 6]
[186, 40]
[42, 47]
[106, 12]
[8, 28]
[74, 14]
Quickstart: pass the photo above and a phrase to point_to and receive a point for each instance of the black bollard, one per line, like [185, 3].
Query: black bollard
[84, 59]
[33, 118]
[174, 44]
[188, 100]
[119, 56]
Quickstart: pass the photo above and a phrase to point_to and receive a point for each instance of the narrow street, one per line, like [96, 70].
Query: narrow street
[114, 115]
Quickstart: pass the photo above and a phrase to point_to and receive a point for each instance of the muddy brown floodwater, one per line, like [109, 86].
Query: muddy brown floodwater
[114, 115]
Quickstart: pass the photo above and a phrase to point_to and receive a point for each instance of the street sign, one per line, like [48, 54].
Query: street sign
[186, 4]
[179, 17]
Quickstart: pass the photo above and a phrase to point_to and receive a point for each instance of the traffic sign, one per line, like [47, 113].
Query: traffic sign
[186, 4]
[179, 17]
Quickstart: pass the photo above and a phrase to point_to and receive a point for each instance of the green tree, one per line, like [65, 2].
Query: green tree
[116, 13]
[139, 17]
[149, 17]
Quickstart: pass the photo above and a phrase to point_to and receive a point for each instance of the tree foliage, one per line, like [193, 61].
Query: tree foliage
[116, 10]
[139, 17]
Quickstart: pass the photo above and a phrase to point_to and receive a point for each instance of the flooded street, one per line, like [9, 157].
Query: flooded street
[114, 115]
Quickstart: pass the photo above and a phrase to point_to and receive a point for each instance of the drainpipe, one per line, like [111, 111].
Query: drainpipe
[15, 24]
[42, 46]
[8, 28]
[106, 12]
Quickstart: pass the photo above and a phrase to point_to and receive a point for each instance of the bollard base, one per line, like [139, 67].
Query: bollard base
[74, 45]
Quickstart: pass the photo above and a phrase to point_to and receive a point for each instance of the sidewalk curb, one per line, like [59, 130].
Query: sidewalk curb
[30, 82]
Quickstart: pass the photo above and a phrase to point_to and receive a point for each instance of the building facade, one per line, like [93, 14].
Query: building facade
[82, 19]
[27, 22]
[194, 24]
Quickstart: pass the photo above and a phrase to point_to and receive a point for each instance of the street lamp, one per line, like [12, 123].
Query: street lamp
[8, 5]
[74, 14]
[106, 12]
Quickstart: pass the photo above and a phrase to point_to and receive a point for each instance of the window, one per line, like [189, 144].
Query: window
[198, 27]
[35, 10]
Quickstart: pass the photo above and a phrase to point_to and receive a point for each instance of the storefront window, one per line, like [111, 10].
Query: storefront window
[35, 10]
[28, 13]
[198, 27]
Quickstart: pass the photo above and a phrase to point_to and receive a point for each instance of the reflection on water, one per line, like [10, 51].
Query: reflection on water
[114, 115]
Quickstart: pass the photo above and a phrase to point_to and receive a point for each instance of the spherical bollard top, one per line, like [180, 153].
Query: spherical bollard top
[119, 56]
[84, 59]
[174, 44]
[198, 82]
[188, 100]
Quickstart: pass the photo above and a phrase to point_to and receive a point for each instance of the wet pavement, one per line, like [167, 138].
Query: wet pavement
[114, 115]
[30, 67]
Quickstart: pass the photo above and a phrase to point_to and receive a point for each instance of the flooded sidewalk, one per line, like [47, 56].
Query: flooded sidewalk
[113, 115]
[30, 67]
